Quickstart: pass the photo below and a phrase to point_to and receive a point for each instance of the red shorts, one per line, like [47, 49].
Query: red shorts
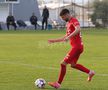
[73, 55]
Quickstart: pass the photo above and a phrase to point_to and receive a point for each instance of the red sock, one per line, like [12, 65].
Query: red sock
[62, 73]
[82, 68]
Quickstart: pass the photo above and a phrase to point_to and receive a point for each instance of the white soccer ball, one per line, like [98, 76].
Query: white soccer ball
[40, 83]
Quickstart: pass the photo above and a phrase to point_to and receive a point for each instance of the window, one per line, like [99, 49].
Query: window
[12, 1]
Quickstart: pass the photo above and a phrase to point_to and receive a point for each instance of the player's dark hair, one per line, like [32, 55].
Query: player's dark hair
[64, 11]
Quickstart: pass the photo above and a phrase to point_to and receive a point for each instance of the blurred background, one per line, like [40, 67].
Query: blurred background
[90, 13]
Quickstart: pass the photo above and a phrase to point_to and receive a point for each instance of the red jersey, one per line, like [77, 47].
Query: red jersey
[75, 41]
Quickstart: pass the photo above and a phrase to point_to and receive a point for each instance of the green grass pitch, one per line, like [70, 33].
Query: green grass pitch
[26, 56]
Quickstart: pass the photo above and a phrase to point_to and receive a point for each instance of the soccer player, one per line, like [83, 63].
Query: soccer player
[73, 34]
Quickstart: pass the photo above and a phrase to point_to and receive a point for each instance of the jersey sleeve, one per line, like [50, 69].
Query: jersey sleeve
[75, 22]
[71, 26]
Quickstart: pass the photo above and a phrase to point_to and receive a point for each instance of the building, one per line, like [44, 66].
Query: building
[21, 9]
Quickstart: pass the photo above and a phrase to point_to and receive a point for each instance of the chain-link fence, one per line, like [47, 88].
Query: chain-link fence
[83, 10]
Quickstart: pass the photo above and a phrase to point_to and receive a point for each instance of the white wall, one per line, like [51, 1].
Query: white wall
[4, 10]
[24, 10]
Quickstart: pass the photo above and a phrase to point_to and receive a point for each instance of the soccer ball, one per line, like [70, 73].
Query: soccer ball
[40, 83]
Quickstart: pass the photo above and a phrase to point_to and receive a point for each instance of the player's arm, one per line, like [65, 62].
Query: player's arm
[77, 30]
[57, 40]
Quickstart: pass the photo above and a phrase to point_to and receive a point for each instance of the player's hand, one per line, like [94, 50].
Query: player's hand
[66, 39]
[50, 41]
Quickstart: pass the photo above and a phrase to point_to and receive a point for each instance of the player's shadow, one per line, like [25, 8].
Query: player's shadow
[58, 89]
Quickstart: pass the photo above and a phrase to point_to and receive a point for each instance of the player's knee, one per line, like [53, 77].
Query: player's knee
[63, 63]
[73, 65]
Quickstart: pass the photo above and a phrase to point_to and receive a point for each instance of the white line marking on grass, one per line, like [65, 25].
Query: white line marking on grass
[102, 75]
[101, 57]
[42, 67]
[29, 65]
